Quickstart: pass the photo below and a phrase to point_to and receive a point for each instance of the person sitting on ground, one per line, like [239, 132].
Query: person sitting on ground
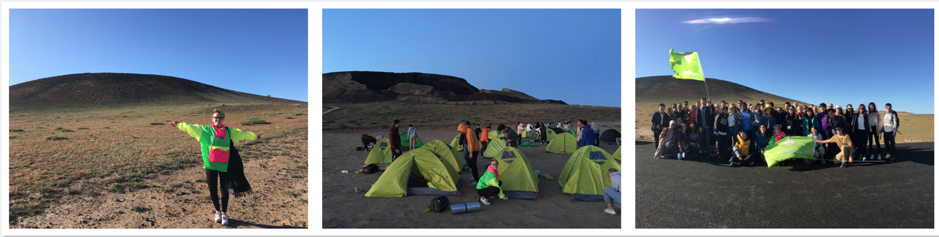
[762, 138]
[743, 150]
[489, 184]
[684, 142]
[694, 140]
[667, 141]
[611, 196]
[844, 142]
[819, 149]
[367, 141]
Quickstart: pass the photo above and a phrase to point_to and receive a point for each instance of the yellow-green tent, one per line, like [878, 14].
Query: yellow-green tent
[449, 156]
[616, 155]
[416, 172]
[495, 146]
[585, 174]
[562, 143]
[456, 142]
[518, 177]
[380, 153]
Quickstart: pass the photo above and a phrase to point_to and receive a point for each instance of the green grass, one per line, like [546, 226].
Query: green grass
[116, 188]
[292, 194]
[82, 128]
[288, 117]
[157, 123]
[138, 208]
[298, 114]
[303, 200]
[253, 121]
[166, 189]
[59, 128]
[91, 193]
[67, 130]
[176, 185]
[16, 130]
[56, 137]
[296, 176]
[72, 192]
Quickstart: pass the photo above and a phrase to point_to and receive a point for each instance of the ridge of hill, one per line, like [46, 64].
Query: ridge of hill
[666, 89]
[365, 86]
[123, 89]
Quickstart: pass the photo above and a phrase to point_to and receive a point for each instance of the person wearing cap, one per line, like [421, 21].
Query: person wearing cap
[659, 121]
[860, 126]
[877, 126]
[395, 138]
[844, 142]
[891, 128]
[668, 139]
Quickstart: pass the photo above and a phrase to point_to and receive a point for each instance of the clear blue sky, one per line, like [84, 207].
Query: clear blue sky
[261, 51]
[832, 56]
[569, 55]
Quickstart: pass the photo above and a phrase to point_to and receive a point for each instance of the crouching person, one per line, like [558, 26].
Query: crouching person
[489, 184]
[844, 142]
[612, 195]
[743, 150]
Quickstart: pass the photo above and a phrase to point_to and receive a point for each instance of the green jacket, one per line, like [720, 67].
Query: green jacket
[214, 149]
[489, 180]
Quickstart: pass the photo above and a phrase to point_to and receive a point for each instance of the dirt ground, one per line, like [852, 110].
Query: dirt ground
[343, 207]
[276, 170]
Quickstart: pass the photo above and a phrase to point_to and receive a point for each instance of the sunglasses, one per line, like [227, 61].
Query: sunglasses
[218, 117]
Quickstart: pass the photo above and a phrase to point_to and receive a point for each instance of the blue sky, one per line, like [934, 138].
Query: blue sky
[261, 51]
[824, 55]
[569, 55]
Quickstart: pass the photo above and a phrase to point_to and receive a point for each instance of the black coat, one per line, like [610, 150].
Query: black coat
[237, 181]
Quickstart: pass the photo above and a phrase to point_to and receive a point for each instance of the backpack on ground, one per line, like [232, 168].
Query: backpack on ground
[370, 169]
[440, 203]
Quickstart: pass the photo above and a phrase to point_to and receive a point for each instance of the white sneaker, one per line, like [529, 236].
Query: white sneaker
[218, 217]
[879, 157]
[484, 201]
[611, 212]
[224, 219]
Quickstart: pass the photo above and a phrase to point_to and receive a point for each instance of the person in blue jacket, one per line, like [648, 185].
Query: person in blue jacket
[587, 133]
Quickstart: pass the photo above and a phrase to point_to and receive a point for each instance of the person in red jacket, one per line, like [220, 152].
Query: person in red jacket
[470, 149]
[395, 139]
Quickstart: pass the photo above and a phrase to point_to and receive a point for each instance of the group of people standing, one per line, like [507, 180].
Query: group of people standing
[742, 130]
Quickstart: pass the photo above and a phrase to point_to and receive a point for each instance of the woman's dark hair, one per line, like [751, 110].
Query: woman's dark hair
[218, 111]
[501, 127]
[872, 105]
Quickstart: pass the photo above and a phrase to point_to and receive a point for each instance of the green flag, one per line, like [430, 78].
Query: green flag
[793, 147]
[685, 65]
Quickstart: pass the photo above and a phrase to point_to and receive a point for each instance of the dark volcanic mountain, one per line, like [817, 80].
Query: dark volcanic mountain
[123, 89]
[359, 87]
[666, 89]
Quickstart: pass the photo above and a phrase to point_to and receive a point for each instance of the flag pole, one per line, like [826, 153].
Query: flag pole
[706, 89]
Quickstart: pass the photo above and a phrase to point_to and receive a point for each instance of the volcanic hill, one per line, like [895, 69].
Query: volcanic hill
[668, 90]
[102, 90]
[362, 86]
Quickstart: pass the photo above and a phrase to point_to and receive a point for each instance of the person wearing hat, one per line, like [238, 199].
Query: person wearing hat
[844, 142]
[659, 121]
[769, 116]
[395, 138]
[668, 140]
[891, 128]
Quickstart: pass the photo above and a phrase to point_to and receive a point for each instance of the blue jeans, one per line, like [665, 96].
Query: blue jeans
[734, 131]
[668, 148]
[706, 148]
[611, 196]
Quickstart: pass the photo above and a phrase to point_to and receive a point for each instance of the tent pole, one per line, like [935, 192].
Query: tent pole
[706, 89]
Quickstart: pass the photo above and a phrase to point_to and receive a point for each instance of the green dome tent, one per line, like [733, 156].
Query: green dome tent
[417, 172]
[562, 143]
[407, 143]
[456, 142]
[495, 146]
[585, 174]
[447, 154]
[616, 155]
[518, 177]
[380, 153]
[552, 132]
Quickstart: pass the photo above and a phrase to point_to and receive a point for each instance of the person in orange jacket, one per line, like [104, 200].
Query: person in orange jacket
[470, 149]
[484, 137]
